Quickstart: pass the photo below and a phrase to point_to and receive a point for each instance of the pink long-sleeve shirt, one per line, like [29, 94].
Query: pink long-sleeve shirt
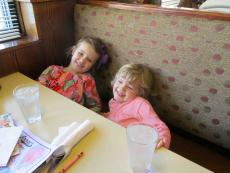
[138, 110]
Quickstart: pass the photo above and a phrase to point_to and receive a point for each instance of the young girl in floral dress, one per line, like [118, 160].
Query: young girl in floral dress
[75, 81]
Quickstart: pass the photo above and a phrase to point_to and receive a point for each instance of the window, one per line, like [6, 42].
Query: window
[9, 23]
[170, 3]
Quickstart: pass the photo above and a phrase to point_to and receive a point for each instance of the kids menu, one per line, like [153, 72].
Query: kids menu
[29, 152]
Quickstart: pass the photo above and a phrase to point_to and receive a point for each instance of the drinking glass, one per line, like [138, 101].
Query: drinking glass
[142, 140]
[27, 97]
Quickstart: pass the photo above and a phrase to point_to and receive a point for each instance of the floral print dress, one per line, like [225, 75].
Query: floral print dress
[80, 88]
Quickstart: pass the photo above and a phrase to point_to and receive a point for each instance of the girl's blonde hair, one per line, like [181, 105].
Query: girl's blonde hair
[137, 73]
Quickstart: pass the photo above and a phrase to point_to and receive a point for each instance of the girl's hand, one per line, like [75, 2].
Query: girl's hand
[159, 143]
[104, 114]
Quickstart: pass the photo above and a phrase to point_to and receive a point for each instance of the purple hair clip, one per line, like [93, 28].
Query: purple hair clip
[104, 58]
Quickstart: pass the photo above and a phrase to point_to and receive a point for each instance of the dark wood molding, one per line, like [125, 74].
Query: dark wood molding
[39, 1]
[55, 26]
[49, 25]
[8, 63]
[149, 8]
[14, 45]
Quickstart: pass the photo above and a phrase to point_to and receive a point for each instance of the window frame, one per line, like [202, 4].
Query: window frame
[19, 20]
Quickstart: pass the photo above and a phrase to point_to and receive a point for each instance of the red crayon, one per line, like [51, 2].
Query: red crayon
[71, 162]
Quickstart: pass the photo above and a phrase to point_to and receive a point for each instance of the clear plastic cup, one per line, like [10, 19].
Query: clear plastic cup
[142, 141]
[27, 97]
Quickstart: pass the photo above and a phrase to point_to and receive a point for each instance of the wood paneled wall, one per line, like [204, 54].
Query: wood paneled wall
[30, 55]
[55, 23]
[50, 28]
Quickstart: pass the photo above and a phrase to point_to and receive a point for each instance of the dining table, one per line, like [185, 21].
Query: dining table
[105, 147]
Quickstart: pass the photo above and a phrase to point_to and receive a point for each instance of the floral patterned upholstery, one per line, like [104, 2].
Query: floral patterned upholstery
[190, 58]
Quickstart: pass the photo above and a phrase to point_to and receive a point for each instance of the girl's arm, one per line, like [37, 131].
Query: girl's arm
[45, 76]
[92, 99]
[163, 132]
[50, 75]
[104, 114]
[148, 116]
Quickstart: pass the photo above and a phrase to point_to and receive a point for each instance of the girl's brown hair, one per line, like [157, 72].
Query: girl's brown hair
[97, 45]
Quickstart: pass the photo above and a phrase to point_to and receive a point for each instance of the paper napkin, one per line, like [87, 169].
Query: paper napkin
[8, 139]
[69, 136]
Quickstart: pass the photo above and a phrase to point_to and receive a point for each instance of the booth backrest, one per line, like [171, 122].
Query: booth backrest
[190, 57]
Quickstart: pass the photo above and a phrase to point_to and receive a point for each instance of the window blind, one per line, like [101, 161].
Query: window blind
[9, 23]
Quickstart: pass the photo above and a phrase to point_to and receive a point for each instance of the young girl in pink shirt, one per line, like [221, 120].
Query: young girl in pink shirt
[131, 86]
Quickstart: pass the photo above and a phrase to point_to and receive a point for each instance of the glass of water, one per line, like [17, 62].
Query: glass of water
[27, 97]
[142, 140]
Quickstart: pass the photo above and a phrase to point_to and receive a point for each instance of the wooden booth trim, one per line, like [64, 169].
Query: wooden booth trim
[149, 8]
[38, 1]
[17, 44]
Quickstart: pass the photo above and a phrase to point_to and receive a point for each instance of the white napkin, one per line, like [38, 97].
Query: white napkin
[8, 139]
[69, 136]
[214, 5]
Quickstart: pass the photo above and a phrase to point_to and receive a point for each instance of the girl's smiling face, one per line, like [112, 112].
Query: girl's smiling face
[124, 90]
[84, 57]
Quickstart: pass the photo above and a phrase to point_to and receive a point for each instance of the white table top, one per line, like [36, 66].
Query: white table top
[105, 148]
